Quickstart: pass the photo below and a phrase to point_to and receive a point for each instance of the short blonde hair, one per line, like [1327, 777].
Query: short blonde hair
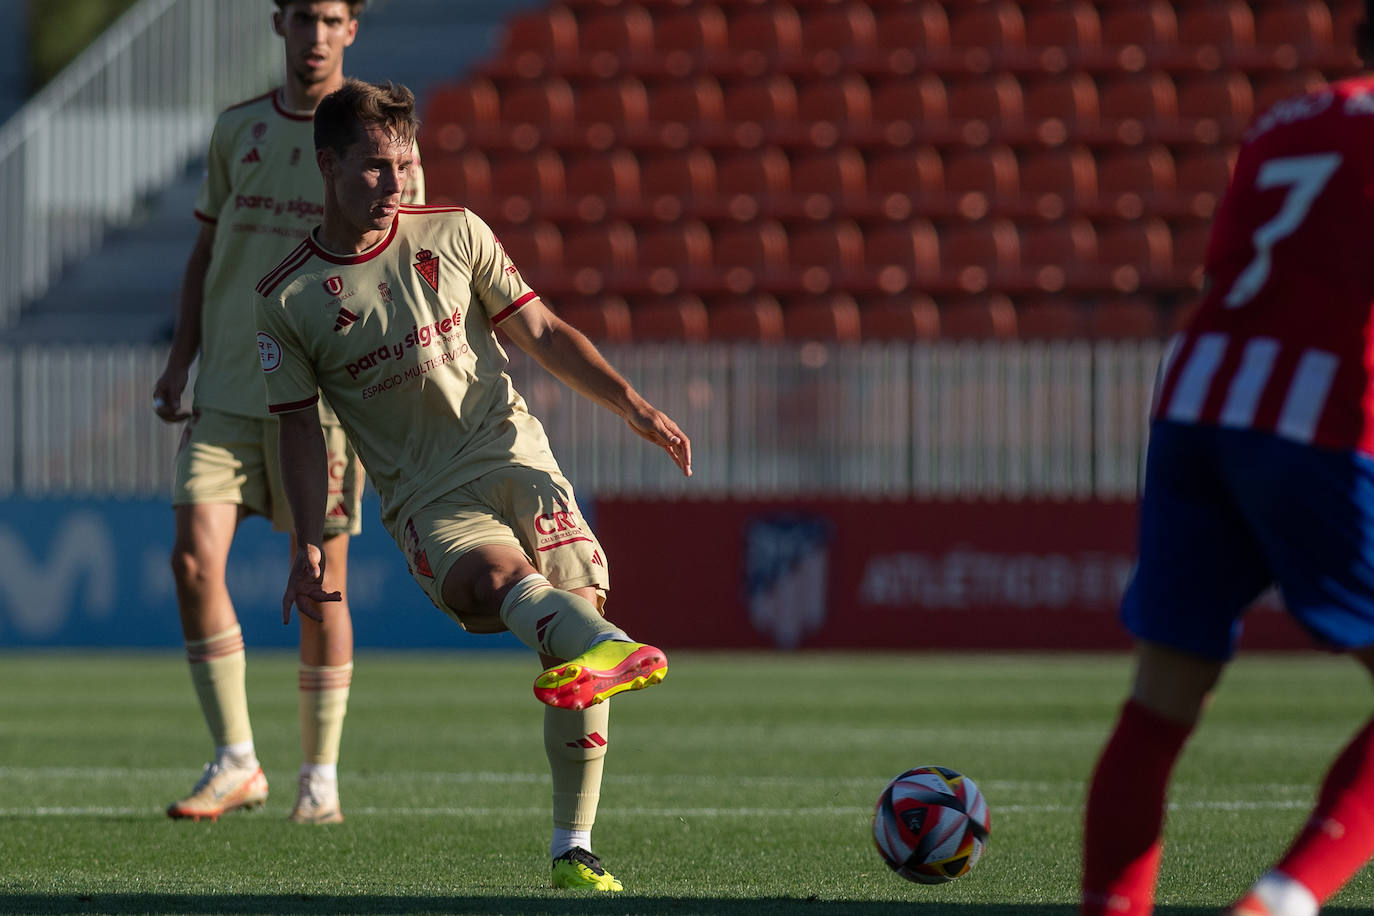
[345, 114]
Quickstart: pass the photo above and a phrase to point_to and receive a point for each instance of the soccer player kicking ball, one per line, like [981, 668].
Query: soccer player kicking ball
[389, 311]
[262, 191]
[1260, 471]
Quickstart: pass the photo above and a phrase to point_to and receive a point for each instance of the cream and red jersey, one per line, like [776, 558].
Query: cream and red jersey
[1283, 340]
[262, 192]
[400, 338]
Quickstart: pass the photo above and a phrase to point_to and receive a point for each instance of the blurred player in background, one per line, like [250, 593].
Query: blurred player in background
[1260, 472]
[470, 489]
[262, 192]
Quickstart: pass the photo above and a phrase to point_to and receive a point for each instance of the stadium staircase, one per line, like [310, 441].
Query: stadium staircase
[126, 290]
[869, 169]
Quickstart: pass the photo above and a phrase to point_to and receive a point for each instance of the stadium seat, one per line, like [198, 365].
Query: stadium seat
[615, 40]
[904, 29]
[903, 179]
[753, 181]
[831, 317]
[1138, 254]
[1061, 255]
[1190, 250]
[597, 184]
[755, 106]
[1216, 107]
[1132, 181]
[1277, 87]
[463, 178]
[987, 32]
[456, 113]
[974, 255]
[604, 319]
[520, 183]
[753, 318]
[835, 34]
[985, 105]
[830, 109]
[899, 254]
[683, 108]
[1292, 30]
[912, 108]
[1058, 108]
[531, 112]
[758, 34]
[671, 256]
[1072, 28]
[1224, 25]
[537, 41]
[535, 248]
[1139, 105]
[1055, 182]
[611, 107]
[1202, 176]
[1049, 318]
[988, 178]
[901, 317]
[1125, 318]
[747, 254]
[1136, 28]
[823, 182]
[674, 183]
[681, 318]
[991, 317]
[822, 254]
[595, 253]
[683, 36]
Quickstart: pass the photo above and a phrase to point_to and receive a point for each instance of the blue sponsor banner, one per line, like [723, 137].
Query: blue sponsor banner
[98, 573]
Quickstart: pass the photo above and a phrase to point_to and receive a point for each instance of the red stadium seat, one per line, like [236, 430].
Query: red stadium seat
[673, 254]
[1058, 108]
[1049, 318]
[1202, 177]
[1073, 26]
[1060, 181]
[995, 27]
[898, 254]
[911, 107]
[753, 182]
[683, 35]
[832, 107]
[766, 31]
[825, 181]
[823, 253]
[751, 318]
[623, 102]
[991, 174]
[972, 255]
[831, 317]
[1139, 105]
[601, 183]
[1300, 27]
[1145, 25]
[906, 316]
[681, 318]
[978, 318]
[592, 254]
[993, 102]
[1057, 255]
[455, 111]
[535, 248]
[1131, 181]
[674, 183]
[834, 33]
[761, 101]
[520, 184]
[1139, 254]
[1217, 106]
[615, 40]
[1227, 25]
[605, 319]
[690, 102]
[1276, 88]
[464, 178]
[538, 40]
[915, 172]
[1190, 250]
[1130, 318]
[904, 29]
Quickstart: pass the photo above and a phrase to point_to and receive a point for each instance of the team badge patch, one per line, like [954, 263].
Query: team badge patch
[333, 285]
[427, 266]
[269, 352]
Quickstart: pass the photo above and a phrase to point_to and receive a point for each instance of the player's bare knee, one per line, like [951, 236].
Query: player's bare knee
[192, 569]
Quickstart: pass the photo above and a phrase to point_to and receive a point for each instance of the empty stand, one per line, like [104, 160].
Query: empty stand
[902, 317]
[991, 317]
[605, 319]
[753, 318]
[672, 319]
[833, 318]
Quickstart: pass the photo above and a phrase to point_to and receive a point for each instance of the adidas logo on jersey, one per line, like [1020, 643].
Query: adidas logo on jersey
[344, 319]
[251, 156]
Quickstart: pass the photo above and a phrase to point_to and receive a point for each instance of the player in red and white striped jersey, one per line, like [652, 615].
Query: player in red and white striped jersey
[1260, 472]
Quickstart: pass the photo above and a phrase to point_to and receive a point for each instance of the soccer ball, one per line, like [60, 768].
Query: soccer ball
[931, 825]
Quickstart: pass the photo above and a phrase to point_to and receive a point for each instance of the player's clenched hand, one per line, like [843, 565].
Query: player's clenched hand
[657, 427]
[306, 584]
[167, 395]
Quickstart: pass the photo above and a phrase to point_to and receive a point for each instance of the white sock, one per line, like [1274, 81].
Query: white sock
[1285, 896]
[616, 635]
[329, 772]
[241, 754]
[565, 839]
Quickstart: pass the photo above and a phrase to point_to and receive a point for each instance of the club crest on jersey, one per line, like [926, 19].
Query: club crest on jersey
[344, 319]
[333, 285]
[385, 289]
[427, 266]
[259, 131]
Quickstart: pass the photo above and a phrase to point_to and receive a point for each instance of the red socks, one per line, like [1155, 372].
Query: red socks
[1339, 838]
[1121, 835]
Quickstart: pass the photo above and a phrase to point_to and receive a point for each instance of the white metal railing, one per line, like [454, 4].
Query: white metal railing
[117, 123]
[932, 421]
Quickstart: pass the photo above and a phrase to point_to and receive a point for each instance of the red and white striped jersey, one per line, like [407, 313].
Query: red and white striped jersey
[1283, 339]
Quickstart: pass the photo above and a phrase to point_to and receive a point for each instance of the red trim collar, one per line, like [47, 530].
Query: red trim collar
[285, 112]
[358, 258]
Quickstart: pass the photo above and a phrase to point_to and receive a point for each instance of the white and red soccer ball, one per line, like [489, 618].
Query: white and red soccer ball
[931, 825]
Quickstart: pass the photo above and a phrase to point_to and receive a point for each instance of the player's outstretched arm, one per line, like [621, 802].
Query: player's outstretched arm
[305, 478]
[568, 354]
[170, 386]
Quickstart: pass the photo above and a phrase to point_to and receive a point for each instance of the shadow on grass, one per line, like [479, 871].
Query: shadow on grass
[216, 904]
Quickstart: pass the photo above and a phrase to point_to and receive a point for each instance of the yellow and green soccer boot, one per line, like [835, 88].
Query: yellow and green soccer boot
[601, 672]
[579, 870]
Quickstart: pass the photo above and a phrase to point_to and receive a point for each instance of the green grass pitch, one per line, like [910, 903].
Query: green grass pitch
[742, 786]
